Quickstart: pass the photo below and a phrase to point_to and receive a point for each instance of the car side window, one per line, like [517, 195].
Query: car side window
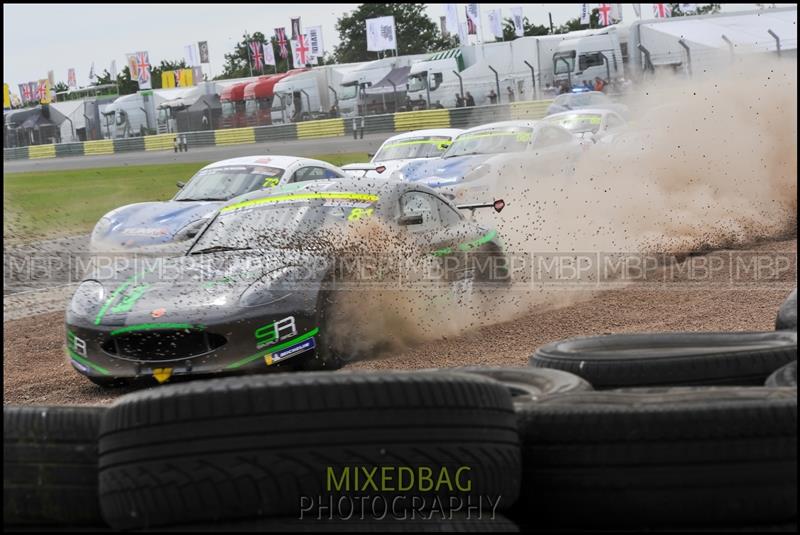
[549, 137]
[416, 203]
[448, 215]
[614, 122]
[313, 173]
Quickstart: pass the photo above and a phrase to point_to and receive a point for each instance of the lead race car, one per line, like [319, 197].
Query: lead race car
[254, 290]
[181, 218]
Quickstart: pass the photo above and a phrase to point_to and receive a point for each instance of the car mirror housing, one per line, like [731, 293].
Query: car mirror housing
[406, 220]
[180, 184]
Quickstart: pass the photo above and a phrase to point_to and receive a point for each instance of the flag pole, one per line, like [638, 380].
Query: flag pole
[247, 48]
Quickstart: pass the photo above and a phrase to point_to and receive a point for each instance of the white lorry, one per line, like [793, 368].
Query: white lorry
[582, 58]
[525, 65]
[356, 95]
[132, 115]
[308, 95]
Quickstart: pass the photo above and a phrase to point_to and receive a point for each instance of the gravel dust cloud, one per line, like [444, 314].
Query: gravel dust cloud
[708, 163]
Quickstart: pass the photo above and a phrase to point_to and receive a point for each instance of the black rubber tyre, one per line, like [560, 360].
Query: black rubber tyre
[787, 313]
[785, 376]
[671, 359]
[253, 446]
[527, 385]
[50, 465]
[660, 457]
[435, 523]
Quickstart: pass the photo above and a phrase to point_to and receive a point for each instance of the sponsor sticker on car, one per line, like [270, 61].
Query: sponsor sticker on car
[302, 347]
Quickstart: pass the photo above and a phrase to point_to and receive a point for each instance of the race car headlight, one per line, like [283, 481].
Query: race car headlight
[190, 230]
[102, 226]
[273, 286]
[87, 298]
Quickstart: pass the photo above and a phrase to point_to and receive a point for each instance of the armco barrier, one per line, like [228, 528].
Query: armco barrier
[387, 123]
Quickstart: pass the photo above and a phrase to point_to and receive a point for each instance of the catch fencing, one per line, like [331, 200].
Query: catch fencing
[355, 127]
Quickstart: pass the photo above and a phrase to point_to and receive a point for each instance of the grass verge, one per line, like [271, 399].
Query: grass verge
[48, 204]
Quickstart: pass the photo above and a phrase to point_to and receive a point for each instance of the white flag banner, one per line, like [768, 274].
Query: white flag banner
[688, 8]
[474, 18]
[314, 34]
[616, 12]
[451, 15]
[113, 71]
[269, 53]
[586, 14]
[463, 33]
[495, 23]
[381, 34]
[190, 56]
[91, 72]
[72, 81]
[516, 16]
[637, 8]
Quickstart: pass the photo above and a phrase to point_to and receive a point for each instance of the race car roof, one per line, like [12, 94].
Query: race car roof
[582, 111]
[281, 162]
[360, 186]
[503, 124]
[449, 132]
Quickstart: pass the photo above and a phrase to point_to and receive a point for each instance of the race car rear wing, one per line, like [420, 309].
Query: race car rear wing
[498, 205]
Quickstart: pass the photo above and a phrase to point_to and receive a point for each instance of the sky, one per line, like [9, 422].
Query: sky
[42, 37]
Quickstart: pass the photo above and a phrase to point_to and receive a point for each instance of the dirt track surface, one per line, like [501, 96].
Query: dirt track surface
[35, 369]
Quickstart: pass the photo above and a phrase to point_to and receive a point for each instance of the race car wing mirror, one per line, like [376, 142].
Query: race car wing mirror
[180, 184]
[406, 220]
[498, 206]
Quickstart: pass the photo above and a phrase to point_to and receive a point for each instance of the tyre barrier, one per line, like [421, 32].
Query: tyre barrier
[785, 376]
[239, 453]
[671, 359]
[50, 465]
[787, 313]
[371, 124]
[660, 456]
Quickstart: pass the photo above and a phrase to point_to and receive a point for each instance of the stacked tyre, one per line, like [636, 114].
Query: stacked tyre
[687, 431]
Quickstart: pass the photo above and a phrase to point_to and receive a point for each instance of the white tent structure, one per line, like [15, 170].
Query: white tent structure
[705, 40]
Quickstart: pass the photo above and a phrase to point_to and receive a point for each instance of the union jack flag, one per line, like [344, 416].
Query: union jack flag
[300, 51]
[257, 54]
[604, 10]
[41, 90]
[280, 34]
[661, 11]
[25, 91]
[143, 67]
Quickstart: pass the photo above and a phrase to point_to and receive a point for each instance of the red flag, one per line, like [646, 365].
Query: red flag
[471, 29]
[604, 10]
[280, 35]
[257, 54]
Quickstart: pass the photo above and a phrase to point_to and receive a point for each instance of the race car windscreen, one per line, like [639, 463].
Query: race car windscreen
[279, 225]
[579, 123]
[223, 183]
[418, 147]
[493, 141]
